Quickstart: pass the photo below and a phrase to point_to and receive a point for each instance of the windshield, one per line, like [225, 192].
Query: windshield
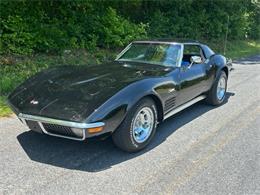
[165, 54]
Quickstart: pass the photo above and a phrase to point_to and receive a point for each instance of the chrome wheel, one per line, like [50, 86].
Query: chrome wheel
[221, 88]
[143, 124]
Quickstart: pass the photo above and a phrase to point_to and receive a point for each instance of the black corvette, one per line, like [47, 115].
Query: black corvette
[148, 82]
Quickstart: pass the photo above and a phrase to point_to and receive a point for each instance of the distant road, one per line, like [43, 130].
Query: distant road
[202, 150]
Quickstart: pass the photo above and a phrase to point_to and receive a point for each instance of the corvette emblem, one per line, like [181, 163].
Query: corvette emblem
[34, 102]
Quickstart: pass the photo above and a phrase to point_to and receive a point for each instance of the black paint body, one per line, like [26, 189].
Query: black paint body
[107, 92]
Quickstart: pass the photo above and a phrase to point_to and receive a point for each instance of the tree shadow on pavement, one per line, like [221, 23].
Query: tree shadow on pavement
[96, 155]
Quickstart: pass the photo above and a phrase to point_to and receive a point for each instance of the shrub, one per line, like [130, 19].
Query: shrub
[116, 31]
[17, 38]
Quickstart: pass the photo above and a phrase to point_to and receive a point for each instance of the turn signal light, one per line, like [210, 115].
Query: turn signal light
[95, 129]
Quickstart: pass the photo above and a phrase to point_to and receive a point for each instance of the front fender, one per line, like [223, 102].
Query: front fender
[114, 110]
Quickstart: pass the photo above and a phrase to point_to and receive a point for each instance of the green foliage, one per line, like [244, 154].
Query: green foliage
[200, 19]
[254, 20]
[238, 49]
[28, 27]
[4, 109]
[18, 39]
[116, 31]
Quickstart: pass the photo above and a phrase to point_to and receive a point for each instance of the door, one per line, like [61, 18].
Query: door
[192, 76]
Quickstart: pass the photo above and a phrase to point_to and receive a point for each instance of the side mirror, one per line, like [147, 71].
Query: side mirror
[196, 59]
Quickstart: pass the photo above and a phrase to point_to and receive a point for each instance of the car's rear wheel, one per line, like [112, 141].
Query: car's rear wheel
[217, 93]
[138, 128]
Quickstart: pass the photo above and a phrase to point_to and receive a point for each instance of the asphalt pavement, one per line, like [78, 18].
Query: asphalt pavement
[201, 150]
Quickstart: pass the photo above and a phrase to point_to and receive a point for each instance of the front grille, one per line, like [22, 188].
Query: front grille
[59, 130]
[170, 103]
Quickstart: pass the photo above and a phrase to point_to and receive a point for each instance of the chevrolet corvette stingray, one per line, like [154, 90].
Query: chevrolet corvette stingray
[148, 82]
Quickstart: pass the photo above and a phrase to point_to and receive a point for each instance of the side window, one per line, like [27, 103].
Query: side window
[189, 51]
[192, 50]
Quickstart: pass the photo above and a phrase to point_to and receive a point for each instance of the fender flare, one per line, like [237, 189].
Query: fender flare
[220, 63]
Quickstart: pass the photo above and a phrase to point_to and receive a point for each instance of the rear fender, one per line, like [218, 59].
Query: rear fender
[220, 64]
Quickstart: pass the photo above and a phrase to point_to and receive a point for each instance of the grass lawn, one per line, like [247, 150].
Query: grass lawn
[4, 109]
[15, 69]
[238, 49]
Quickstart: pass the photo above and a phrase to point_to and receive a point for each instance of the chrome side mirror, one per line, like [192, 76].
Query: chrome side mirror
[195, 60]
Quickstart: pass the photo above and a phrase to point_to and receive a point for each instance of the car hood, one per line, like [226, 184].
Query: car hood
[74, 92]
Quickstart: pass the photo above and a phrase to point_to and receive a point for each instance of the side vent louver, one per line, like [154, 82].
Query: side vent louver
[169, 103]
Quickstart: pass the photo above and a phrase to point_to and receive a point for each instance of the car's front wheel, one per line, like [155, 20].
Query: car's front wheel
[138, 128]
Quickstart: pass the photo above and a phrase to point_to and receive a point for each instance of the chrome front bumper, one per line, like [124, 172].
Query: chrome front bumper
[76, 126]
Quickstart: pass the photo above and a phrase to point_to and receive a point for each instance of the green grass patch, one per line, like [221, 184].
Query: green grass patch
[15, 69]
[240, 49]
[237, 49]
[4, 109]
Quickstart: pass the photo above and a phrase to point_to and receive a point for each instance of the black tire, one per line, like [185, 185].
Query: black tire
[212, 97]
[123, 137]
